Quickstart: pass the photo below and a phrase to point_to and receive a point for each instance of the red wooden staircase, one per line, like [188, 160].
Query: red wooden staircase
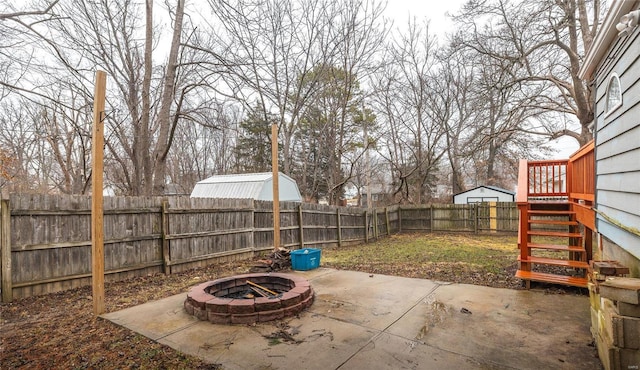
[555, 205]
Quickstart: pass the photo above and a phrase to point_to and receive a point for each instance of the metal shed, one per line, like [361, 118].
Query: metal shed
[258, 186]
[484, 193]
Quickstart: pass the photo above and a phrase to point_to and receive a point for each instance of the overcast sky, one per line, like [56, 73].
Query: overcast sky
[434, 10]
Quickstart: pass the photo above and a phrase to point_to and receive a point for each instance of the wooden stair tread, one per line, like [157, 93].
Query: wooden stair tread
[551, 278]
[555, 262]
[554, 222]
[539, 212]
[554, 233]
[568, 248]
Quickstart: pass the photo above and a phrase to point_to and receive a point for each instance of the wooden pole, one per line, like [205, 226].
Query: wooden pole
[339, 227]
[301, 226]
[366, 227]
[386, 217]
[97, 206]
[276, 188]
[166, 255]
[5, 246]
[375, 223]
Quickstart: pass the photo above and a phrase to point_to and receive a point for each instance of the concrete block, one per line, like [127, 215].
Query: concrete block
[594, 322]
[625, 359]
[605, 319]
[621, 289]
[627, 309]
[626, 332]
[605, 353]
[594, 296]
[614, 358]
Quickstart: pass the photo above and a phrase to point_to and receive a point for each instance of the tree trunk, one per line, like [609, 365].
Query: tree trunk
[165, 123]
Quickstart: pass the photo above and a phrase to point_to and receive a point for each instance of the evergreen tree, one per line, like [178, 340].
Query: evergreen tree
[253, 147]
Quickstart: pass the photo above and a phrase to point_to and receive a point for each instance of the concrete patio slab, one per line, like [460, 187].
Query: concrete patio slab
[378, 322]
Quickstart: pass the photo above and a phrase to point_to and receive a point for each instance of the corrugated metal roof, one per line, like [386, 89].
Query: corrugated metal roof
[232, 190]
[245, 186]
[243, 177]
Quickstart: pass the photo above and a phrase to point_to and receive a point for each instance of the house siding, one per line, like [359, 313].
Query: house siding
[618, 150]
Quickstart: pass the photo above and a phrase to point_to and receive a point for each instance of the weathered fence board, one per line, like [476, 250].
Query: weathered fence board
[46, 243]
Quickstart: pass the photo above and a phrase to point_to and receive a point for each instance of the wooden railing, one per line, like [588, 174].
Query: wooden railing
[572, 180]
[581, 185]
[542, 179]
[582, 177]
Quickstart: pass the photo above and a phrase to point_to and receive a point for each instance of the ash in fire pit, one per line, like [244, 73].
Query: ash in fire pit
[246, 299]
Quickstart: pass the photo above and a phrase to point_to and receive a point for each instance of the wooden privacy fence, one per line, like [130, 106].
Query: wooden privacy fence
[45, 240]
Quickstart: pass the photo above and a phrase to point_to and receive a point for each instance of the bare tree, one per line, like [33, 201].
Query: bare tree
[542, 44]
[452, 107]
[144, 101]
[403, 94]
[264, 50]
[17, 40]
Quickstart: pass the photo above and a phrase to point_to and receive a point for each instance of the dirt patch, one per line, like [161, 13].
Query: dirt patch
[60, 331]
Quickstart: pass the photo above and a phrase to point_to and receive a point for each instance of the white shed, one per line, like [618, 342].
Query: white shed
[258, 186]
[484, 193]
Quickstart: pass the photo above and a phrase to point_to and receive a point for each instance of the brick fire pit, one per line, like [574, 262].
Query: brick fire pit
[218, 301]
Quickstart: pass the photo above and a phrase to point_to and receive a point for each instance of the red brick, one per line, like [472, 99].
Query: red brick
[303, 283]
[262, 279]
[241, 306]
[218, 305]
[219, 293]
[267, 304]
[293, 310]
[244, 318]
[289, 298]
[270, 315]
[280, 287]
[200, 313]
[188, 307]
[303, 291]
[198, 298]
[225, 284]
[307, 302]
[202, 286]
[219, 318]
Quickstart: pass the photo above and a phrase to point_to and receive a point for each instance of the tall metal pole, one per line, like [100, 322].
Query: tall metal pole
[97, 214]
[276, 188]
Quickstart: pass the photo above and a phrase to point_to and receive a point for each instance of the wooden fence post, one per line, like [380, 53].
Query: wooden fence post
[432, 226]
[166, 253]
[399, 219]
[339, 227]
[386, 215]
[375, 223]
[366, 227]
[475, 217]
[301, 226]
[5, 246]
